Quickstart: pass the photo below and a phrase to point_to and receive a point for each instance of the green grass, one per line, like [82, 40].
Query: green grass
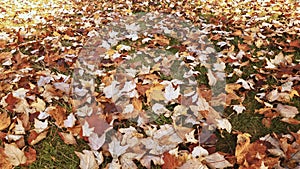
[52, 152]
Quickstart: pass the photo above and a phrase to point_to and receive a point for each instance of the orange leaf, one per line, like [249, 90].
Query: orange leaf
[295, 43]
[30, 156]
[4, 163]
[11, 101]
[237, 33]
[59, 114]
[170, 161]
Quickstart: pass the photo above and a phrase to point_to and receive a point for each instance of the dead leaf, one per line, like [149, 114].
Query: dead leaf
[68, 138]
[287, 111]
[116, 149]
[58, 113]
[217, 160]
[170, 161]
[4, 163]
[14, 154]
[5, 121]
[87, 160]
[243, 142]
[30, 156]
[35, 137]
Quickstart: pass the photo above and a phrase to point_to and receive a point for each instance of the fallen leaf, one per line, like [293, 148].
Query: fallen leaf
[30, 156]
[239, 108]
[68, 138]
[4, 163]
[287, 111]
[39, 105]
[58, 113]
[217, 160]
[70, 121]
[35, 137]
[116, 149]
[14, 154]
[5, 121]
[224, 124]
[87, 160]
[170, 161]
[95, 142]
[243, 142]
[40, 126]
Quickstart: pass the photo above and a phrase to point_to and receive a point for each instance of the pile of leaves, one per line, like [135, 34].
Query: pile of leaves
[155, 97]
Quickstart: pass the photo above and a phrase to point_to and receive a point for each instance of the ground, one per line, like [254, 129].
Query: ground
[62, 79]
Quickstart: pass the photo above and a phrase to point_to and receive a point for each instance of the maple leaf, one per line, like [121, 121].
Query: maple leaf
[5, 121]
[170, 161]
[287, 111]
[87, 160]
[70, 121]
[239, 108]
[95, 142]
[14, 155]
[171, 92]
[116, 149]
[217, 160]
[35, 137]
[68, 138]
[4, 163]
[30, 156]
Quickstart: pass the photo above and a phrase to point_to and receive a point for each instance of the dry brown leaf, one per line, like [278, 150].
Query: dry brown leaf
[5, 121]
[59, 114]
[243, 142]
[30, 156]
[170, 161]
[68, 138]
[35, 137]
[4, 163]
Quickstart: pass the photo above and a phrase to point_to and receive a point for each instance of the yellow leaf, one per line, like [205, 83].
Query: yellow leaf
[293, 93]
[155, 93]
[39, 105]
[243, 142]
[56, 34]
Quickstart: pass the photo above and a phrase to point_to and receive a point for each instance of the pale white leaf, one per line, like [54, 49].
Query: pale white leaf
[115, 164]
[70, 121]
[159, 109]
[116, 149]
[199, 152]
[19, 129]
[190, 137]
[40, 126]
[287, 111]
[224, 124]
[216, 160]
[193, 164]
[95, 142]
[84, 111]
[127, 161]
[111, 90]
[86, 130]
[171, 93]
[211, 78]
[87, 160]
[239, 108]
[20, 93]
